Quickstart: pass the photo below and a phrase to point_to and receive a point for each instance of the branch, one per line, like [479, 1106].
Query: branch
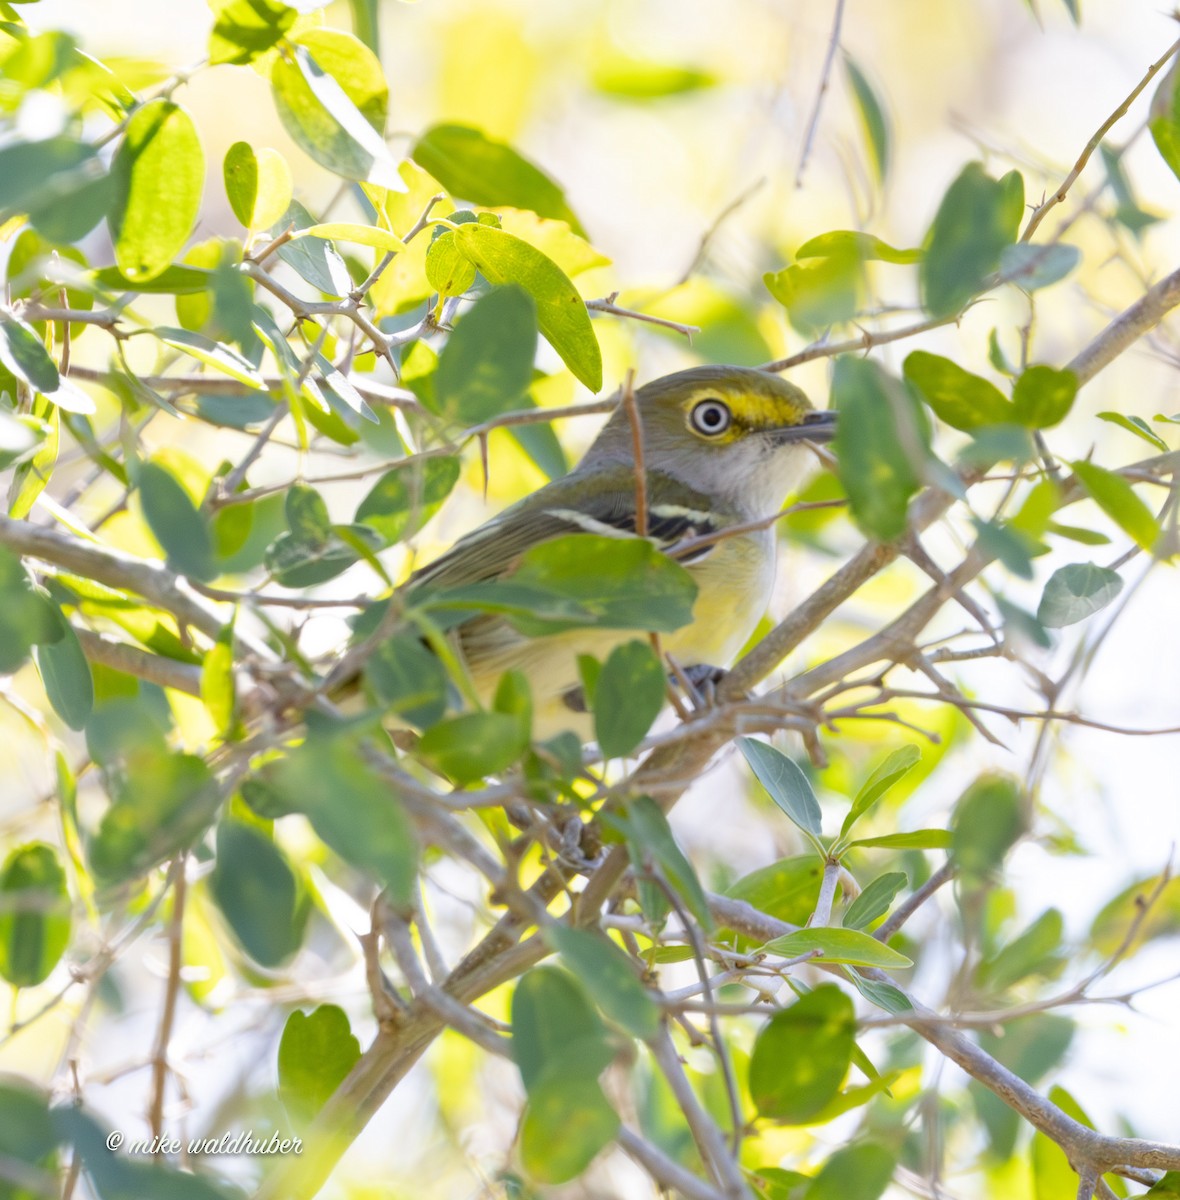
[825, 76]
[1059, 195]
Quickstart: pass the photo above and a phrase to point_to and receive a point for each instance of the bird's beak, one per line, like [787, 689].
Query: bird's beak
[816, 426]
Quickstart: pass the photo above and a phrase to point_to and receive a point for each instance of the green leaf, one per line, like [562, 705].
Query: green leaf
[1075, 592]
[1087, 537]
[163, 802]
[607, 975]
[176, 523]
[628, 698]
[564, 1128]
[299, 564]
[448, 270]
[245, 29]
[977, 218]
[964, 401]
[802, 1055]
[561, 314]
[874, 901]
[787, 889]
[884, 995]
[821, 293]
[471, 166]
[474, 745]
[312, 259]
[1012, 547]
[861, 1171]
[65, 673]
[29, 169]
[853, 242]
[873, 122]
[917, 839]
[1042, 396]
[221, 358]
[789, 788]
[316, 1053]
[1052, 1176]
[307, 515]
[1031, 266]
[590, 579]
[408, 678]
[362, 235]
[27, 618]
[257, 183]
[556, 1030]
[1033, 952]
[407, 496]
[332, 98]
[19, 438]
[880, 446]
[839, 946]
[258, 893]
[650, 839]
[34, 914]
[1138, 426]
[892, 770]
[158, 175]
[988, 819]
[1167, 1185]
[1115, 496]
[486, 366]
[371, 831]
[626, 78]
[218, 692]
[172, 281]
[23, 353]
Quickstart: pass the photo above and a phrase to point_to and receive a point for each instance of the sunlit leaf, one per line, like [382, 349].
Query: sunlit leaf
[472, 166]
[872, 119]
[223, 359]
[1115, 496]
[894, 768]
[180, 529]
[316, 1052]
[802, 1055]
[917, 839]
[864, 246]
[860, 1171]
[158, 176]
[406, 497]
[363, 235]
[1043, 396]
[473, 745]
[787, 889]
[1138, 426]
[66, 675]
[486, 366]
[244, 29]
[561, 313]
[880, 434]
[1035, 951]
[1076, 591]
[608, 977]
[838, 945]
[332, 98]
[874, 901]
[24, 354]
[257, 184]
[962, 400]
[313, 259]
[34, 914]
[977, 218]
[988, 818]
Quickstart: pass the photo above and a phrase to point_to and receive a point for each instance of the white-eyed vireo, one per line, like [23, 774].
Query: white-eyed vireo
[720, 448]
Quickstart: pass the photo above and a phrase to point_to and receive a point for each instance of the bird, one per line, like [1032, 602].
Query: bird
[721, 448]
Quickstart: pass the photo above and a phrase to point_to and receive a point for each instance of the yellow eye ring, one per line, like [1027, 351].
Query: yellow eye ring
[710, 417]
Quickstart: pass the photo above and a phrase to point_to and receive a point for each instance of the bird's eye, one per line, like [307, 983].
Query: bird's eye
[710, 417]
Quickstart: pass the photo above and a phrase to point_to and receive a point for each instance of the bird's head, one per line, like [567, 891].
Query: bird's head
[728, 432]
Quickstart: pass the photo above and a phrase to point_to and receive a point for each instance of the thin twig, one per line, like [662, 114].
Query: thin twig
[1059, 195]
[824, 80]
[171, 992]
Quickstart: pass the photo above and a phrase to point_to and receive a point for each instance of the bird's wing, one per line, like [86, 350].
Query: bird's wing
[675, 514]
